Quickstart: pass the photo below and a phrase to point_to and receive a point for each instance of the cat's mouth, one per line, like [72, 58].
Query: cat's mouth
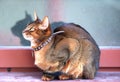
[27, 37]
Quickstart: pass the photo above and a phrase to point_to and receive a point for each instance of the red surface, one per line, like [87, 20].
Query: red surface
[16, 58]
[110, 57]
[22, 57]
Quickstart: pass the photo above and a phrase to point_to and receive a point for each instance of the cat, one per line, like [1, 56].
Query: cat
[69, 50]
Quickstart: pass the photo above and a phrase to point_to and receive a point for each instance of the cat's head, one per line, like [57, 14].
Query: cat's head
[37, 30]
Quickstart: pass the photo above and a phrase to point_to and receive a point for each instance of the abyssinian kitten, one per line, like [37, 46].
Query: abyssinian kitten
[69, 52]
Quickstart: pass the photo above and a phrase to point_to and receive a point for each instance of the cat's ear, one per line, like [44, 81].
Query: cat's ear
[44, 24]
[35, 16]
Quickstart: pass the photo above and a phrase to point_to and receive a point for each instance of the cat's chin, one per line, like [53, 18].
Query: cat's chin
[28, 37]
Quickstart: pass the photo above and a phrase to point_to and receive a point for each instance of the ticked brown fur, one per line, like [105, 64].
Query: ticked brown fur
[73, 53]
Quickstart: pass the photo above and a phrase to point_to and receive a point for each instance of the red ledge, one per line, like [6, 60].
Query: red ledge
[22, 57]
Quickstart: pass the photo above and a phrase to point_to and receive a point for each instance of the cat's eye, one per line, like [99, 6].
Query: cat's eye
[32, 29]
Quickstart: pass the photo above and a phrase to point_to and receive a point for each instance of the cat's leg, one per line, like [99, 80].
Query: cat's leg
[65, 77]
[72, 70]
[89, 72]
[77, 71]
[89, 57]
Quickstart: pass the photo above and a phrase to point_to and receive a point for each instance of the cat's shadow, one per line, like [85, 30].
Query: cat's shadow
[20, 26]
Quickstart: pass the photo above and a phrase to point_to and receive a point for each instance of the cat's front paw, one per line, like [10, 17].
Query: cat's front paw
[64, 77]
[47, 77]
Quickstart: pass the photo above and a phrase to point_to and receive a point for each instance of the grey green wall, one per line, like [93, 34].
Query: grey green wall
[101, 18]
